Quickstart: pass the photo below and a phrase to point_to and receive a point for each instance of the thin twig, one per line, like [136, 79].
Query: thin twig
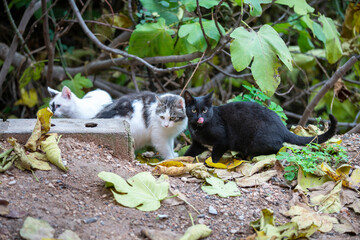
[329, 84]
[188, 81]
[201, 24]
[103, 24]
[229, 74]
[133, 78]
[48, 44]
[131, 11]
[215, 17]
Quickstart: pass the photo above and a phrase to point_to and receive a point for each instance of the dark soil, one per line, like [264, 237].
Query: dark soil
[78, 201]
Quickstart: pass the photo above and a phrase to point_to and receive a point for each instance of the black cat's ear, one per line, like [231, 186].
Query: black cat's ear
[188, 98]
[208, 97]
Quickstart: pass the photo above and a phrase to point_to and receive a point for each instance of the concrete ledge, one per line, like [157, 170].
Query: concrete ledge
[113, 133]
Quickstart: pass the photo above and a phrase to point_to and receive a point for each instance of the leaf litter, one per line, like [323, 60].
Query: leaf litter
[353, 200]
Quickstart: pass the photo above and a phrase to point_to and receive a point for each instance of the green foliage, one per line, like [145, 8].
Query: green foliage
[309, 157]
[151, 39]
[194, 36]
[332, 43]
[77, 84]
[33, 72]
[262, 49]
[300, 6]
[167, 9]
[255, 95]
[190, 5]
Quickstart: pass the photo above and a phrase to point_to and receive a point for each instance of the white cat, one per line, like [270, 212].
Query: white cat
[67, 104]
[154, 119]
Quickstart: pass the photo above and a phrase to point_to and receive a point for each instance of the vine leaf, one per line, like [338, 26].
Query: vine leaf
[218, 186]
[190, 5]
[255, 6]
[300, 6]
[263, 47]
[168, 10]
[151, 39]
[142, 191]
[193, 34]
[332, 44]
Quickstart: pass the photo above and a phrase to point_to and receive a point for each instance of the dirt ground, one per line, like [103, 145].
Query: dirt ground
[78, 201]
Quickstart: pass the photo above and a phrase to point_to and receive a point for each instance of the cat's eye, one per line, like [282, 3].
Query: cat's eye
[162, 117]
[205, 111]
[57, 106]
[172, 118]
[194, 110]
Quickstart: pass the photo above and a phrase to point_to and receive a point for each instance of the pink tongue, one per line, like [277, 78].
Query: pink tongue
[200, 120]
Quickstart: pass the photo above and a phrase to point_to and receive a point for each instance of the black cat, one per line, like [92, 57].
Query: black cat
[245, 127]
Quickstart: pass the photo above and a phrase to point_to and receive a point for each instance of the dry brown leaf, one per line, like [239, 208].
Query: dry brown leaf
[255, 179]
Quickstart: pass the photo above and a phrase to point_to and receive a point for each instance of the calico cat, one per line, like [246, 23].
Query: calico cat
[67, 104]
[154, 119]
[245, 127]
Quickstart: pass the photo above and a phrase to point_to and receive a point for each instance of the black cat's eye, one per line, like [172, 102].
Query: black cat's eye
[194, 110]
[204, 111]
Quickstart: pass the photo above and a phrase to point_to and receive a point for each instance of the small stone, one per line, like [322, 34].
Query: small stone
[163, 216]
[212, 210]
[233, 231]
[184, 179]
[13, 182]
[148, 154]
[90, 220]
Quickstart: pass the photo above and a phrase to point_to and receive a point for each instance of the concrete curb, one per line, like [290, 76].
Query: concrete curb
[112, 133]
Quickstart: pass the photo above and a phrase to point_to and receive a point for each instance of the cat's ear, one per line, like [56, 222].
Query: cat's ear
[53, 92]
[180, 103]
[188, 98]
[208, 98]
[66, 93]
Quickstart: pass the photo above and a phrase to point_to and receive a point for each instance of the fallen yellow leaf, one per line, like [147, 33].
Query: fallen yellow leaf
[227, 164]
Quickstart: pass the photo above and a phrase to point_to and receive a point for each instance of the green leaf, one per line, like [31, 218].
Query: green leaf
[255, 6]
[141, 191]
[263, 46]
[167, 9]
[190, 5]
[196, 232]
[33, 72]
[219, 187]
[77, 84]
[300, 6]
[304, 41]
[36, 229]
[193, 34]
[332, 45]
[151, 39]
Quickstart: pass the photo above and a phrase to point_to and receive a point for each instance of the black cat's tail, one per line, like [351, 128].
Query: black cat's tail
[302, 141]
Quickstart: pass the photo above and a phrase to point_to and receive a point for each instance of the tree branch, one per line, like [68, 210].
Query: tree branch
[48, 44]
[33, 6]
[329, 84]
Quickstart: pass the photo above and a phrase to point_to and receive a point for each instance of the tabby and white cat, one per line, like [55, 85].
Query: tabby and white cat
[67, 104]
[154, 119]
